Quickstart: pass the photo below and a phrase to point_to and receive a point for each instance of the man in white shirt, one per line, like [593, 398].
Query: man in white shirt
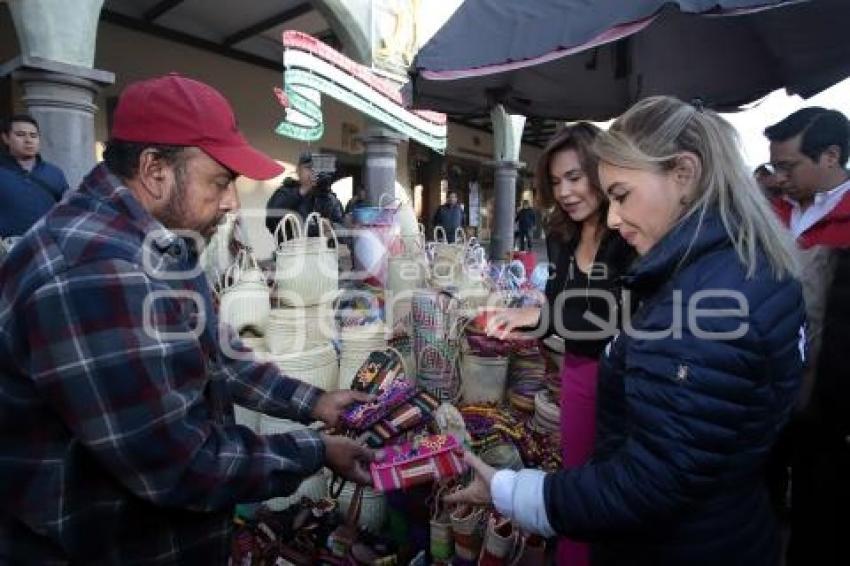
[809, 152]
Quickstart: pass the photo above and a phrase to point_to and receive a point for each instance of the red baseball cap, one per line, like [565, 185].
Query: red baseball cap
[175, 110]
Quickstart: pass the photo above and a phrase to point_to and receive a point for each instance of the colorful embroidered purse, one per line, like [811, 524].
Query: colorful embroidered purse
[412, 414]
[426, 459]
[376, 374]
[361, 416]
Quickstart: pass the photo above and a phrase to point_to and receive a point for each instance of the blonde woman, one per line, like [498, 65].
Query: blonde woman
[694, 390]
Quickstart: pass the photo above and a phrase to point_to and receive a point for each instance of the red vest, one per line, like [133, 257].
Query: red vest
[833, 230]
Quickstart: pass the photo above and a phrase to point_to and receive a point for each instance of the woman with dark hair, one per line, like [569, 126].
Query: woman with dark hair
[586, 260]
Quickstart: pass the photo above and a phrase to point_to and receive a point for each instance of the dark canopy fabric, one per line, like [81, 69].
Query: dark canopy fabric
[591, 59]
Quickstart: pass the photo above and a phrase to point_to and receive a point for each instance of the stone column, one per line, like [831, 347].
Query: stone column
[57, 41]
[502, 234]
[61, 98]
[381, 156]
[57, 30]
[507, 141]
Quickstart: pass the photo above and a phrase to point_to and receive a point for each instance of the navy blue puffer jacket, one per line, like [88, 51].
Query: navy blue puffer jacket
[685, 420]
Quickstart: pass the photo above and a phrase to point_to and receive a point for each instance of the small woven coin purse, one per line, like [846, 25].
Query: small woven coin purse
[376, 373]
[361, 416]
[426, 459]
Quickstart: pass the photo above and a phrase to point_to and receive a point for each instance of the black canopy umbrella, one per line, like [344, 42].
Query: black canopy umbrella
[592, 59]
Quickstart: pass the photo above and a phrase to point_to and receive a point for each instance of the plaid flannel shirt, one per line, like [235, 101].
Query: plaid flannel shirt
[117, 441]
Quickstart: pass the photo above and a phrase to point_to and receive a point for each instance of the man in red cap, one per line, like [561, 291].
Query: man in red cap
[116, 400]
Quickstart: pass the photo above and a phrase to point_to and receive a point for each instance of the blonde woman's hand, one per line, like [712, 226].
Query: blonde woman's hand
[501, 323]
[477, 492]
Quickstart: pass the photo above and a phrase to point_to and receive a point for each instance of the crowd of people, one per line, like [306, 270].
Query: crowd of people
[702, 308]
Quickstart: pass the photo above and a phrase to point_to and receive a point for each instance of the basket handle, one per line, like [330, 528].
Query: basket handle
[440, 490]
[458, 327]
[355, 506]
[246, 260]
[313, 217]
[418, 243]
[518, 550]
[437, 231]
[330, 228]
[326, 229]
[231, 277]
[404, 366]
[475, 259]
[216, 286]
[280, 229]
[459, 231]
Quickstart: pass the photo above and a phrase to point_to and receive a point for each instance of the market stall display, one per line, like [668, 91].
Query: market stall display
[418, 343]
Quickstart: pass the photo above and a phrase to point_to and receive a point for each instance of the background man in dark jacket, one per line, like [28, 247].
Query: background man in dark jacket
[526, 220]
[809, 151]
[29, 185]
[449, 216]
[310, 193]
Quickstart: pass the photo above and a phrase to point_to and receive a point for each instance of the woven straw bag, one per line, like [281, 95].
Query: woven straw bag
[473, 289]
[318, 366]
[547, 413]
[437, 374]
[373, 507]
[441, 539]
[502, 541]
[483, 379]
[415, 240]
[405, 216]
[404, 345]
[306, 273]
[244, 299]
[326, 231]
[356, 343]
[292, 330]
[468, 527]
[430, 311]
[399, 310]
[461, 266]
[446, 258]
[294, 240]
[407, 271]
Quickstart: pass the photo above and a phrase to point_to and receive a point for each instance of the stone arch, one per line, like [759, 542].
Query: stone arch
[349, 20]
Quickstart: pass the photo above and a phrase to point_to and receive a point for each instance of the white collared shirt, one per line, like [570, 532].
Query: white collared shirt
[823, 204]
